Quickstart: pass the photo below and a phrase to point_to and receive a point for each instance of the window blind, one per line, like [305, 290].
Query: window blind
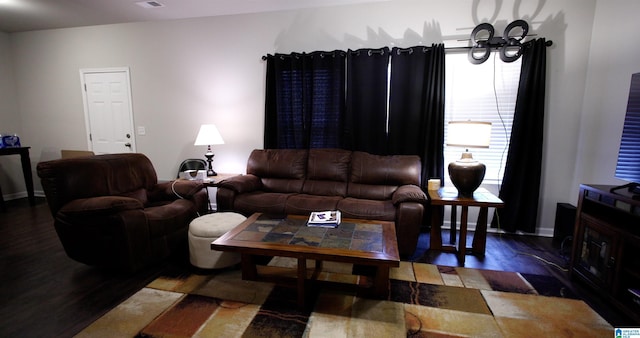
[628, 166]
[482, 92]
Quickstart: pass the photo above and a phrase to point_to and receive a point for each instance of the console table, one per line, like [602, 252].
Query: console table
[26, 171]
[481, 198]
[606, 240]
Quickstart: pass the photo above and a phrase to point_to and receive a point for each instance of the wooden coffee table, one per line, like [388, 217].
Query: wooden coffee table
[362, 242]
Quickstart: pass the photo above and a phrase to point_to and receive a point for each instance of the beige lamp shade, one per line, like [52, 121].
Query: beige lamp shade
[208, 135]
[469, 134]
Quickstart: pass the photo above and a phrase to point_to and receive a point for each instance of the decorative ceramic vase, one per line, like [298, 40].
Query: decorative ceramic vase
[466, 174]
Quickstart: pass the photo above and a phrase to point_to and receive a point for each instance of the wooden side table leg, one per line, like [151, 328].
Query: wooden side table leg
[209, 207]
[480, 236]
[435, 242]
[2, 206]
[28, 176]
[462, 245]
[454, 223]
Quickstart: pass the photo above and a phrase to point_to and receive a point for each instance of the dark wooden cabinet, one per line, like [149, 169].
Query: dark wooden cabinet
[606, 246]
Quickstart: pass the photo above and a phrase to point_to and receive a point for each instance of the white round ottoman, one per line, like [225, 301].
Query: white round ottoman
[206, 229]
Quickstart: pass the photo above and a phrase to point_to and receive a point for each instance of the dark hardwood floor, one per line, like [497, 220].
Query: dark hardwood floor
[43, 293]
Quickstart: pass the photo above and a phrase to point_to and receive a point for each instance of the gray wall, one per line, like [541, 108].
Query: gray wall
[10, 122]
[209, 70]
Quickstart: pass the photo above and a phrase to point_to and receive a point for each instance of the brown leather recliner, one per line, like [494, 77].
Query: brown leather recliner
[111, 211]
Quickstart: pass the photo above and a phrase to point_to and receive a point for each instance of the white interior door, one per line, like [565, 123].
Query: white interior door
[108, 112]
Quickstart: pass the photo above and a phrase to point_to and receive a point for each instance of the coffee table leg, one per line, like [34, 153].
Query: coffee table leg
[249, 270]
[302, 277]
[317, 270]
[381, 282]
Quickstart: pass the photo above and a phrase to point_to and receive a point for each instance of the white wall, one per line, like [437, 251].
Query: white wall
[612, 60]
[209, 70]
[11, 179]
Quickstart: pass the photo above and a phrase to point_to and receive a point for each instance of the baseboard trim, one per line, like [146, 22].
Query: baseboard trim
[541, 232]
[22, 194]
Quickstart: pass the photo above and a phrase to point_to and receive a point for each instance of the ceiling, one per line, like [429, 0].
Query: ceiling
[28, 15]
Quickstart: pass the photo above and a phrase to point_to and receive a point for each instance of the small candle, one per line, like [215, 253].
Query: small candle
[434, 184]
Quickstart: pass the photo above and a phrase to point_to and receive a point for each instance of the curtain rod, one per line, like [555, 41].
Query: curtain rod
[548, 43]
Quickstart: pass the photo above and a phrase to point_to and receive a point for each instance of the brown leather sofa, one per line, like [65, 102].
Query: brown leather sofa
[111, 211]
[360, 185]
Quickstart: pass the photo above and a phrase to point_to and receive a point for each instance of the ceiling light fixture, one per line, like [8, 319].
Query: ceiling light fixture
[149, 4]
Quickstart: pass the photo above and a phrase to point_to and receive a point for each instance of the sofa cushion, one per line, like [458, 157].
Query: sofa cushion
[328, 172]
[138, 194]
[281, 170]
[367, 209]
[328, 164]
[99, 206]
[169, 217]
[377, 177]
[303, 204]
[73, 178]
[260, 201]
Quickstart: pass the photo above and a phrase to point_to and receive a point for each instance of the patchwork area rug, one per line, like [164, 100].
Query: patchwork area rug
[424, 301]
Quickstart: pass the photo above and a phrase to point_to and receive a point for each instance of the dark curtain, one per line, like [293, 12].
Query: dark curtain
[520, 189]
[366, 111]
[416, 106]
[304, 104]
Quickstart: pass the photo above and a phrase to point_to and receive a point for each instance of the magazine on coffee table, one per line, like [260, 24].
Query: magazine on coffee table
[326, 219]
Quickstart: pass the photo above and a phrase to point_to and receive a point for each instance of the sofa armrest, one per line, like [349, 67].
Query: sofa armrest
[103, 205]
[242, 184]
[175, 189]
[408, 193]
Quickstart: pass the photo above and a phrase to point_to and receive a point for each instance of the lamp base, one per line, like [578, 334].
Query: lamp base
[210, 172]
[466, 174]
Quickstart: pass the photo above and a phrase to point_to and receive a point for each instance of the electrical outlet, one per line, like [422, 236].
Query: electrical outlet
[142, 131]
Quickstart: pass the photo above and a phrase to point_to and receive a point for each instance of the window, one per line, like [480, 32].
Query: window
[484, 92]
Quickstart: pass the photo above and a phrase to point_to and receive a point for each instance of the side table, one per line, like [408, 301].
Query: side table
[26, 171]
[481, 198]
[213, 182]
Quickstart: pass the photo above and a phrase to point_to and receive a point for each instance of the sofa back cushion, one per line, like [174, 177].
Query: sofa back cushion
[377, 177]
[327, 172]
[281, 170]
[127, 174]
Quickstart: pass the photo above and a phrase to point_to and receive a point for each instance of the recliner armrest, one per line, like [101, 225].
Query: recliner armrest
[242, 184]
[168, 191]
[408, 193]
[102, 205]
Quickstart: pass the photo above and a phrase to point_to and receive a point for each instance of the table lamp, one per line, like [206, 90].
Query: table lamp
[466, 173]
[207, 136]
